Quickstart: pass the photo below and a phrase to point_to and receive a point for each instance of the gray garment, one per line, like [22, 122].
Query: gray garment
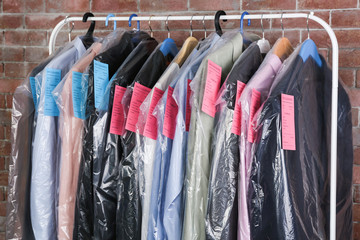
[228, 49]
[46, 152]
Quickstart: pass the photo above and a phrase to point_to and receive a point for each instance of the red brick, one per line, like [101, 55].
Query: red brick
[356, 174]
[355, 120]
[356, 193]
[5, 150]
[56, 6]
[2, 134]
[2, 167]
[356, 212]
[349, 58]
[263, 4]
[347, 76]
[32, 6]
[15, 70]
[348, 38]
[13, 6]
[3, 208]
[301, 22]
[326, 4]
[13, 54]
[9, 86]
[358, 78]
[2, 236]
[9, 21]
[36, 54]
[354, 95]
[204, 5]
[163, 5]
[25, 38]
[5, 117]
[9, 100]
[42, 21]
[356, 137]
[114, 6]
[356, 229]
[2, 101]
[345, 18]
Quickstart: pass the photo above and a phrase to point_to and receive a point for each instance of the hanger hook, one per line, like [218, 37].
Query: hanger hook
[191, 28]
[217, 24]
[262, 26]
[242, 21]
[92, 25]
[307, 25]
[167, 25]
[107, 20]
[151, 31]
[138, 22]
[70, 29]
[203, 22]
[282, 26]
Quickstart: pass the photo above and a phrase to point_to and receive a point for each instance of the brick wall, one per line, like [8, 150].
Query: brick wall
[26, 27]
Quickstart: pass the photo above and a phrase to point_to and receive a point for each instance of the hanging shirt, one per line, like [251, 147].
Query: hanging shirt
[200, 135]
[255, 92]
[71, 132]
[46, 149]
[128, 218]
[116, 47]
[147, 129]
[298, 187]
[107, 144]
[222, 207]
[158, 221]
[18, 220]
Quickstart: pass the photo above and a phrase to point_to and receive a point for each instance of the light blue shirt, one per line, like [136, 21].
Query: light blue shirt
[46, 151]
[165, 216]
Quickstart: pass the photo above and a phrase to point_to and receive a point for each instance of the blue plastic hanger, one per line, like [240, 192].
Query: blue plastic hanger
[168, 46]
[107, 20]
[242, 22]
[309, 48]
[138, 22]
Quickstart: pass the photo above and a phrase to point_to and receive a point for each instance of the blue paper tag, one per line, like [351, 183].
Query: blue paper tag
[33, 91]
[79, 94]
[53, 77]
[101, 79]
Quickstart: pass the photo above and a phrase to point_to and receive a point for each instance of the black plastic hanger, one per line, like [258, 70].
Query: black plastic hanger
[88, 39]
[217, 24]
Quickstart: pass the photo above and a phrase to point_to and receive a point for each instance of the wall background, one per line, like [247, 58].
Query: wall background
[25, 28]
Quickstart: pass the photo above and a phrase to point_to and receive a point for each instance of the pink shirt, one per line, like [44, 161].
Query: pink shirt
[71, 132]
[256, 90]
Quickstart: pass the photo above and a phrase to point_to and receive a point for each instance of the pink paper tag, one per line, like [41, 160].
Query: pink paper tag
[236, 125]
[254, 106]
[150, 130]
[288, 122]
[212, 86]
[171, 110]
[188, 107]
[117, 115]
[139, 94]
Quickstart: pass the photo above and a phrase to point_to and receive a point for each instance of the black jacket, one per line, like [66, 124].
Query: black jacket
[289, 190]
[128, 214]
[114, 56]
[222, 207]
[105, 168]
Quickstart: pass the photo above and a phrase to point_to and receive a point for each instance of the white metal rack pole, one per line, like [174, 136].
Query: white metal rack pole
[335, 71]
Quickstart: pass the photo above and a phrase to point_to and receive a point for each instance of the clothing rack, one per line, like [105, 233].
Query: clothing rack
[335, 70]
